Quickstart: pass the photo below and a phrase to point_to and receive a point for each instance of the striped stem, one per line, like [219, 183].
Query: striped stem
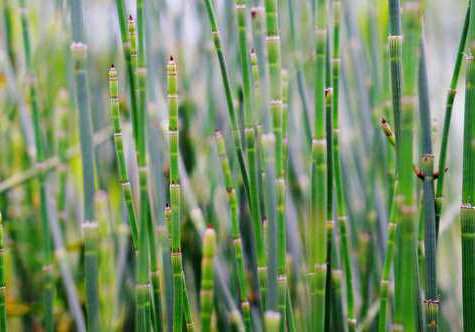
[406, 287]
[250, 138]
[272, 321]
[467, 212]
[128, 52]
[229, 96]
[388, 261]
[79, 51]
[275, 74]
[119, 147]
[237, 242]
[207, 278]
[431, 302]
[439, 198]
[48, 292]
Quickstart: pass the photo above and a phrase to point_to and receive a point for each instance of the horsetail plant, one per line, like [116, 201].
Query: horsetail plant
[431, 301]
[237, 242]
[48, 291]
[275, 74]
[467, 209]
[318, 210]
[129, 52]
[229, 96]
[119, 147]
[179, 288]
[79, 51]
[207, 278]
[406, 275]
[250, 139]
[451, 94]
[341, 213]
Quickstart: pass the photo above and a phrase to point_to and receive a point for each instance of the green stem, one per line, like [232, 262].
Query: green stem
[229, 97]
[207, 278]
[3, 303]
[275, 75]
[48, 292]
[439, 198]
[237, 242]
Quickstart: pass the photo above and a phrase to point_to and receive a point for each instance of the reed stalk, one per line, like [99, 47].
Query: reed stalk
[449, 104]
[341, 211]
[431, 301]
[275, 73]
[250, 139]
[467, 209]
[235, 232]
[48, 290]
[229, 96]
[207, 278]
[406, 276]
[129, 52]
[119, 147]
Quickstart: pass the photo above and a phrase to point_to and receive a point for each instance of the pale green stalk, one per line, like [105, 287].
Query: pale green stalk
[237, 242]
[48, 291]
[341, 211]
[250, 138]
[275, 73]
[119, 147]
[207, 278]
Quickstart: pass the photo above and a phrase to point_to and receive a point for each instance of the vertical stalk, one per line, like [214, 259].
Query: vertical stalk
[467, 210]
[179, 288]
[119, 147]
[275, 72]
[48, 291]
[229, 96]
[127, 49]
[431, 302]
[319, 173]
[329, 205]
[388, 261]
[207, 278]
[147, 250]
[250, 138]
[79, 50]
[341, 213]
[439, 198]
[238, 252]
[406, 279]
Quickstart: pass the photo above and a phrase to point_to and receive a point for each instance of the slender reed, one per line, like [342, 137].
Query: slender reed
[319, 174]
[388, 261]
[229, 96]
[238, 252]
[439, 196]
[48, 291]
[179, 288]
[207, 278]
[341, 213]
[431, 301]
[250, 138]
[467, 209]
[128, 53]
[275, 72]
[406, 276]
[119, 147]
